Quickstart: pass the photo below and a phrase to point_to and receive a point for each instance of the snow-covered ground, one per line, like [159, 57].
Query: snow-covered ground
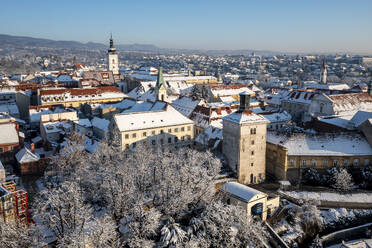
[327, 196]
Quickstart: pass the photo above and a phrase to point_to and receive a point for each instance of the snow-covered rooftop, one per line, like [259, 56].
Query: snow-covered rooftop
[151, 119]
[341, 144]
[186, 105]
[26, 156]
[10, 108]
[84, 122]
[58, 126]
[245, 117]
[142, 106]
[100, 123]
[359, 118]
[242, 191]
[8, 134]
[278, 117]
[210, 133]
[350, 103]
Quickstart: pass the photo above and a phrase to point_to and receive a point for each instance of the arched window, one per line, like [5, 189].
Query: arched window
[251, 178]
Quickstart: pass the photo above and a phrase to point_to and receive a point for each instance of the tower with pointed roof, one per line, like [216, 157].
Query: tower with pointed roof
[160, 88]
[323, 74]
[113, 58]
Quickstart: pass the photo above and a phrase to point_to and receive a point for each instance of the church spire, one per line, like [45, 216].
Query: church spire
[160, 88]
[160, 80]
[112, 48]
[323, 75]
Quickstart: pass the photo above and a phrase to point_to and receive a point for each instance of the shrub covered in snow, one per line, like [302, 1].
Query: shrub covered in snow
[366, 177]
[301, 222]
[311, 177]
[343, 181]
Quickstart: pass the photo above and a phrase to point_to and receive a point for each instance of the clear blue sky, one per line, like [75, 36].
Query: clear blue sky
[280, 25]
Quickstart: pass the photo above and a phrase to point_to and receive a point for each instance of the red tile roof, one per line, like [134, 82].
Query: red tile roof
[78, 91]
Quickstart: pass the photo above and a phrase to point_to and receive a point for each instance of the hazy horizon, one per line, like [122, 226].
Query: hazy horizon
[281, 26]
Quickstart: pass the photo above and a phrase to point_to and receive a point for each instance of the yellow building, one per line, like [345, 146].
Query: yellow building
[287, 157]
[74, 97]
[162, 126]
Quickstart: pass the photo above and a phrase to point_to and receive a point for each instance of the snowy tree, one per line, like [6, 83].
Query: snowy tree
[63, 211]
[172, 233]
[143, 225]
[221, 225]
[366, 176]
[306, 219]
[343, 181]
[13, 235]
[72, 155]
[311, 176]
[137, 191]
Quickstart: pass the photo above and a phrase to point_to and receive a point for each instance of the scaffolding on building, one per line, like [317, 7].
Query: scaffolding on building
[20, 202]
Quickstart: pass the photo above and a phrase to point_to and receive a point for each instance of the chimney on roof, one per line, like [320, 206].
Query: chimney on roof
[32, 147]
[244, 101]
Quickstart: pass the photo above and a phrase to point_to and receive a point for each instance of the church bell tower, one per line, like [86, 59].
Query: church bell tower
[113, 58]
[160, 88]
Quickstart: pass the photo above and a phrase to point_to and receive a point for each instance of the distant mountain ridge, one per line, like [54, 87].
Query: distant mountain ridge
[10, 41]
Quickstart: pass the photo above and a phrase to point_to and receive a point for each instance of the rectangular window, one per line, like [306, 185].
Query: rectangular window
[169, 140]
[252, 142]
[251, 164]
[335, 162]
[176, 139]
[303, 162]
[356, 162]
[325, 162]
[252, 153]
[176, 130]
[153, 132]
[291, 162]
[313, 162]
[144, 134]
[182, 129]
[183, 138]
[169, 130]
[134, 135]
[127, 136]
[161, 131]
[153, 142]
[189, 128]
[366, 161]
[161, 141]
[346, 162]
